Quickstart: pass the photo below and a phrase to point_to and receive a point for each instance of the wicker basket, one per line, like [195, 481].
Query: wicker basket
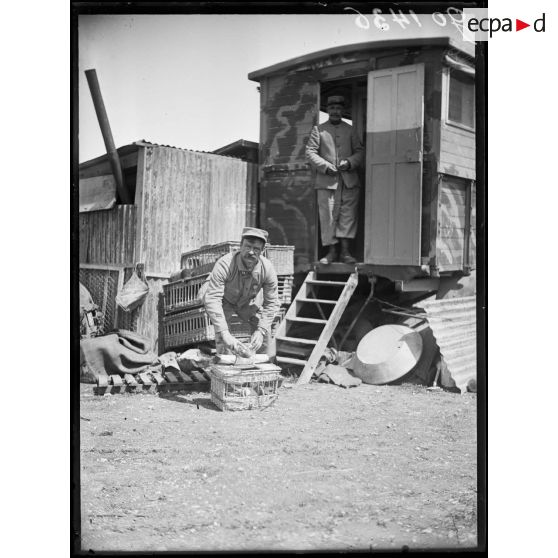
[194, 326]
[183, 294]
[203, 259]
[234, 389]
[285, 288]
[282, 258]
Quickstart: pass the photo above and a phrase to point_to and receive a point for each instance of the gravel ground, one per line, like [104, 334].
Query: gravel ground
[372, 467]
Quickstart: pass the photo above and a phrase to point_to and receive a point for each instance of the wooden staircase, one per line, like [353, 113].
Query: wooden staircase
[312, 349]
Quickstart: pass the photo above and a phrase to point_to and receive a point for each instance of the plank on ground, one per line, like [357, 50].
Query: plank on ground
[170, 376]
[197, 375]
[158, 378]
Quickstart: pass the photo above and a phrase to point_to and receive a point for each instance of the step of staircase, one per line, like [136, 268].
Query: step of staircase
[307, 320]
[297, 340]
[318, 300]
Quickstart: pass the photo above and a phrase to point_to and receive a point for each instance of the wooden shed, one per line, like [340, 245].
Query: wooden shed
[413, 103]
[183, 199]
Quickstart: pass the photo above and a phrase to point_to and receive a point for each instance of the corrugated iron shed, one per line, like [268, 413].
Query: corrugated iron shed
[454, 324]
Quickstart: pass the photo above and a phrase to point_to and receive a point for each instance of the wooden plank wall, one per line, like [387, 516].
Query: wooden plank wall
[144, 319]
[108, 237]
[189, 199]
[148, 313]
[457, 151]
[452, 222]
[473, 238]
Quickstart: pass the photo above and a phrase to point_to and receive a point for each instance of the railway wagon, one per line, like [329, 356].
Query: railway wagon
[413, 103]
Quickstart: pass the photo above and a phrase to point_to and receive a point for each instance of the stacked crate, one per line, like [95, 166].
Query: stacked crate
[185, 321]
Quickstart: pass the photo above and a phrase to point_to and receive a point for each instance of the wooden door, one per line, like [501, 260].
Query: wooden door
[394, 134]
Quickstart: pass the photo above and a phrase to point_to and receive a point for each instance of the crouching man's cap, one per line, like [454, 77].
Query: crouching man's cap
[257, 233]
[336, 100]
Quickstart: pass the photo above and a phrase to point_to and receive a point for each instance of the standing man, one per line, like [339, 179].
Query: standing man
[336, 152]
[233, 285]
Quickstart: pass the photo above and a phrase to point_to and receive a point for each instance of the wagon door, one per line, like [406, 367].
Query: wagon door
[394, 132]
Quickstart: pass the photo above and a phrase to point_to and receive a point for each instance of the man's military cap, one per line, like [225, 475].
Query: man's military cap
[258, 233]
[336, 100]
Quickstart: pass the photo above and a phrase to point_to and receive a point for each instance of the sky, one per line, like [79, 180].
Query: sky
[182, 80]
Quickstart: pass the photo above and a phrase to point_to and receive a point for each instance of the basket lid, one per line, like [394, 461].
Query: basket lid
[264, 371]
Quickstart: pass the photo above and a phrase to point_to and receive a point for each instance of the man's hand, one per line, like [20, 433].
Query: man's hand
[257, 340]
[344, 165]
[331, 171]
[229, 341]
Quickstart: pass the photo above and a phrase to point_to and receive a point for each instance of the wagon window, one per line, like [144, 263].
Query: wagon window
[461, 102]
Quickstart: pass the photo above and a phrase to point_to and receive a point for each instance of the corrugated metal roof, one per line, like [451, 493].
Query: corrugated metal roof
[151, 144]
[125, 149]
[454, 324]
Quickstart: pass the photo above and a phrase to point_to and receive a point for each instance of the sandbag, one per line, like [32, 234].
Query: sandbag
[121, 352]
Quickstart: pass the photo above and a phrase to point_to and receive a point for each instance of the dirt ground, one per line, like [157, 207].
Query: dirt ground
[372, 467]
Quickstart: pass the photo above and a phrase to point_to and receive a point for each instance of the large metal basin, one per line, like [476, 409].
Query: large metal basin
[387, 353]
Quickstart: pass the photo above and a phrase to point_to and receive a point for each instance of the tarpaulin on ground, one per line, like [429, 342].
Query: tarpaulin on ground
[121, 352]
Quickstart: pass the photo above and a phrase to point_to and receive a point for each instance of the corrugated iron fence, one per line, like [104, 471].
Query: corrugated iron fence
[108, 236]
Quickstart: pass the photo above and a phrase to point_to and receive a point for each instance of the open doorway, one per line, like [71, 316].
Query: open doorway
[354, 91]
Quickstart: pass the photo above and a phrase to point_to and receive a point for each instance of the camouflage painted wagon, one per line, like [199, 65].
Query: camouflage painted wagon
[413, 103]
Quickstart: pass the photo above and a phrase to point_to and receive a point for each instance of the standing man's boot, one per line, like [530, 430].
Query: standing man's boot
[345, 255]
[331, 255]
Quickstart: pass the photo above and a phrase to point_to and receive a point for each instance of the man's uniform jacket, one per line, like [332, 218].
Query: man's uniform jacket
[327, 146]
[232, 287]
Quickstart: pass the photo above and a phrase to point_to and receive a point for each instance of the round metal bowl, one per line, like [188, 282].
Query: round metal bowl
[387, 353]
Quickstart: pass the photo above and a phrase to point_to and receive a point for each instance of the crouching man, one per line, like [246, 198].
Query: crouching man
[234, 285]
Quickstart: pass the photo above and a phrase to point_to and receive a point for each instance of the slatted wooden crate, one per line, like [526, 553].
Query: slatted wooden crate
[235, 389]
[285, 288]
[183, 294]
[194, 326]
[282, 258]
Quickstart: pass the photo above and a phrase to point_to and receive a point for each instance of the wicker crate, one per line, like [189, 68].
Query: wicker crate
[203, 259]
[285, 288]
[194, 326]
[183, 294]
[282, 258]
[234, 389]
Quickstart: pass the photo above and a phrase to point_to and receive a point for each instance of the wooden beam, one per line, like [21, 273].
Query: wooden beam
[297, 340]
[104, 267]
[141, 176]
[288, 360]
